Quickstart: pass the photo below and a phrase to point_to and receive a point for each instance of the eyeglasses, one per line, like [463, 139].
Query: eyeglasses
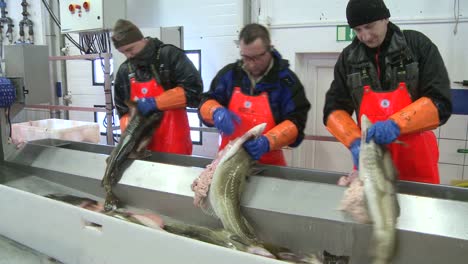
[254, 58]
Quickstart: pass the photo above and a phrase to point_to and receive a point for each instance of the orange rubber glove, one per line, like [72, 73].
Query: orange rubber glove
[124, 122]
[171, 99]
[421, 115]
[342, 127]
[207, 110]
[283, 134]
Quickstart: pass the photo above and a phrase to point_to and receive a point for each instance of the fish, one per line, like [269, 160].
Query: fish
[151, 220]
[219, 237]
[72, 199]
[378, 175]
[219, 188]
[324, 257]
[224, 238]
[132, 144]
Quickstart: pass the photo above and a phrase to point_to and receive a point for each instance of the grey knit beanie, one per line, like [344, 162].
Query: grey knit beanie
[124, 33]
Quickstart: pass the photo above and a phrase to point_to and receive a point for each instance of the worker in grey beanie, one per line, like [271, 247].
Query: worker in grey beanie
[125, 32]
[159, 78]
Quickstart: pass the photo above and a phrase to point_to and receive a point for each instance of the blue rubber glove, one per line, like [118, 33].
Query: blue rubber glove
[147, 106]
[355, 148]
[224, 120]
[383, 132]
[257, 147]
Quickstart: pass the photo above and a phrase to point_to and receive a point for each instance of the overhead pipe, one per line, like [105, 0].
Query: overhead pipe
[5, 20]
[26, 22]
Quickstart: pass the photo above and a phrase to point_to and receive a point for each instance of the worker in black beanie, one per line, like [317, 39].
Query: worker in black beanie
[397, 78]
[359, 12]
[159, 78]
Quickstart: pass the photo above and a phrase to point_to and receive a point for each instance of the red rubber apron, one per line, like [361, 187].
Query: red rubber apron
[416, 159]
[253, 110]
[173, 134]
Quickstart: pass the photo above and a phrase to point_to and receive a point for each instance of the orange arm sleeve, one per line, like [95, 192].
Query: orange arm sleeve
[124, 122]
[207, 110]
[419, 116]
[342, 126]
[283, 134]
[172, 99]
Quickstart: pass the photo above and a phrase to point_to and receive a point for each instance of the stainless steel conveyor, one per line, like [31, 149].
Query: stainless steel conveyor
[291, 207]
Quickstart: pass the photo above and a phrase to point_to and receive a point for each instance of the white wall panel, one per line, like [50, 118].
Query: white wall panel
[143, 13]
[448, 151]
[209, 25]
[455, 128]
[34, 9]
[319, 11]
[450, 172]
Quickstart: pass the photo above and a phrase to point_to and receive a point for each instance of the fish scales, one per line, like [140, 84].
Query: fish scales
[377, 173]
[134, 140]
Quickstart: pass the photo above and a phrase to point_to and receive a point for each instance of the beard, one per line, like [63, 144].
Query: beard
[146, 56]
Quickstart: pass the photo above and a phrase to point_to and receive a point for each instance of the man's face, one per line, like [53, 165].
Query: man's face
[255, 56]
[372, 34]
[132, 49]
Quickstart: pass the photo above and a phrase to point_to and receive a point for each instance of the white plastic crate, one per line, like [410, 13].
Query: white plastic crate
[56, 128]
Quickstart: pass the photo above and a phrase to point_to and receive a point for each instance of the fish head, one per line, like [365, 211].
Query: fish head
[236, 144]
[257, 130]
[365, 124]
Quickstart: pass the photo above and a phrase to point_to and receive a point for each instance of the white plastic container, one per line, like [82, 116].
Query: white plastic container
[56, 128]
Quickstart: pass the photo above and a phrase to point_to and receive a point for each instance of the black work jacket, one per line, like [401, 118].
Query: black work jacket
[168, 64]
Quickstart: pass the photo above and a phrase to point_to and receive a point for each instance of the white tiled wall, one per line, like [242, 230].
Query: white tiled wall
[450, 172]
[453, 136]
[465, 172]
[455, 128]
[448, 151]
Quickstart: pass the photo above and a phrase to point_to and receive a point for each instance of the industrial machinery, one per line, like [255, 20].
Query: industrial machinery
[290, 207]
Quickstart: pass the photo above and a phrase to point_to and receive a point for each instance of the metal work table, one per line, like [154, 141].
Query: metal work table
[291, 207]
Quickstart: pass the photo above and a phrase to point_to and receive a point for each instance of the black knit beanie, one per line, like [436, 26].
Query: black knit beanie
[360, 12]
[125, 32]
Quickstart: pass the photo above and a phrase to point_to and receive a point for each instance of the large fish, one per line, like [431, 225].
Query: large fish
[220, 237]
[378, 175]
[133, 143]
[222, 196]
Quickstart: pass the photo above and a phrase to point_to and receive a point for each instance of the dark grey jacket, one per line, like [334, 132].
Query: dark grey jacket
[407, 56]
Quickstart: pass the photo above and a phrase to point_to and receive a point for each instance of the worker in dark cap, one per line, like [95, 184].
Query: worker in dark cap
[396, 78]
[159, 77]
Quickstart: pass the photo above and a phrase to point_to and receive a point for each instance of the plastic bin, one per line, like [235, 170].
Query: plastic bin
[56, 128]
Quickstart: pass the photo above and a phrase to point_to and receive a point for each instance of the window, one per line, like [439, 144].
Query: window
[98, 70]
[194, 121]
[195, 57]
